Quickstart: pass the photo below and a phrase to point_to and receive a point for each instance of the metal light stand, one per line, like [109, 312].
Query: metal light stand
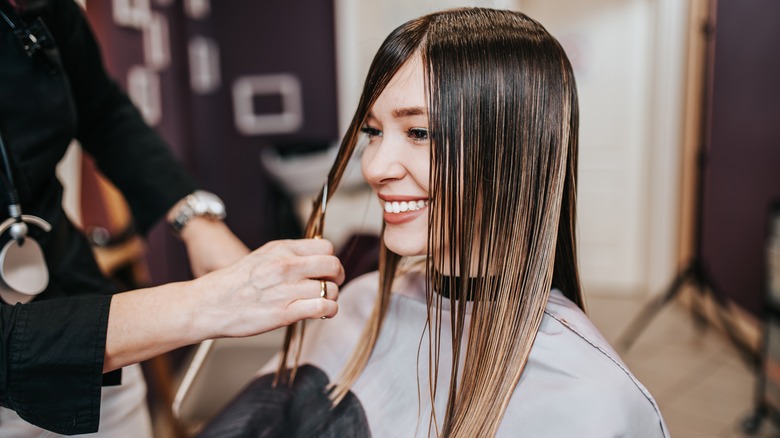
[696, 273]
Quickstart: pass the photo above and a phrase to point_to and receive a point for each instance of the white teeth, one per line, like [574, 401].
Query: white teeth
[404, 206]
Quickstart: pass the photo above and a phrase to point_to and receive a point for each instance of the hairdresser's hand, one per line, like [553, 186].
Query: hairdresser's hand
[273, 286]
[211, 245]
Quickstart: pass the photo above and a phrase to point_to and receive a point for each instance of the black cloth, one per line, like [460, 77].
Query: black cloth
[301, 411]
[52, 349]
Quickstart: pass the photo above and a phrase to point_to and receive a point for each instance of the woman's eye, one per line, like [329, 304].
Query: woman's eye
[418, 134]
[371, 132]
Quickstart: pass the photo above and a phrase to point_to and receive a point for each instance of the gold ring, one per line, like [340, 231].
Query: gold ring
[323, 292]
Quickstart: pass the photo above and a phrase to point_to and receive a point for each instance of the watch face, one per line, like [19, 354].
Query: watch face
[199, 203]
[209, 204]
[200, 207]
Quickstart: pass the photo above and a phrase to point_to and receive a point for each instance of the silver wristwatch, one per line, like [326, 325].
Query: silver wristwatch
[197, 204]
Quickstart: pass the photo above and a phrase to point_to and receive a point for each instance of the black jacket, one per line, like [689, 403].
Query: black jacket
[52, 349]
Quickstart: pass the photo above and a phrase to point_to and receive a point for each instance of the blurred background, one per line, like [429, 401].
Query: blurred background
[679, 167]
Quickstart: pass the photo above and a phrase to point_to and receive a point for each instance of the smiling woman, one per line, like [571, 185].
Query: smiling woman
[471, 121]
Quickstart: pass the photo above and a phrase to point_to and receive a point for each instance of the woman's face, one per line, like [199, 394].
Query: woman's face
[396, 162]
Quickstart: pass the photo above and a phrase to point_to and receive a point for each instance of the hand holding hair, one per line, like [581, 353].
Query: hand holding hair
[273, 286]
[276, 285]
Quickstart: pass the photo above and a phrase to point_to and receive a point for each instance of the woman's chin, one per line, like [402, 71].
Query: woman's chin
[408, 238]
[406, 245]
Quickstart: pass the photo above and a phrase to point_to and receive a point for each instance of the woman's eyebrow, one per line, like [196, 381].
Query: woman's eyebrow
[409, 112]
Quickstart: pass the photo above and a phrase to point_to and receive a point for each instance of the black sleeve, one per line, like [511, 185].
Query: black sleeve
[51, 374]
[111, 129]
[52, 351]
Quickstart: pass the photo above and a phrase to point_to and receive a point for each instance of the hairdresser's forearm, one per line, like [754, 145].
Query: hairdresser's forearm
[148, 322]
[273, 286]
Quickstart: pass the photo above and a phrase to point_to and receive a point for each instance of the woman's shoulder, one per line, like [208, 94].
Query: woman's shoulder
[565, 321]
[572, 371]
[568, 336]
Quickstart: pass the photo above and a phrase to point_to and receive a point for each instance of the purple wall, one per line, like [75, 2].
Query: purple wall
[743, 169]
[248, 40]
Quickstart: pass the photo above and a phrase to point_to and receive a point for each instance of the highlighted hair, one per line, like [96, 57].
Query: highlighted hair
[503, 118]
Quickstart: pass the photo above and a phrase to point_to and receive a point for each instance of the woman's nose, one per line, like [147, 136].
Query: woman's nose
[383, 162]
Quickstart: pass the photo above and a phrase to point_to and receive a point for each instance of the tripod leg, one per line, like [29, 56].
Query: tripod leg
[652, 308]
[724, 311]
[735, 334]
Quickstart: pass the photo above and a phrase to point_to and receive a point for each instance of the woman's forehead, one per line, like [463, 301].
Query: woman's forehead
[404, 95]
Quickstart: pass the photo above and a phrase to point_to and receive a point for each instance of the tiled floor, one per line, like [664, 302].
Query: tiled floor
[698, 379]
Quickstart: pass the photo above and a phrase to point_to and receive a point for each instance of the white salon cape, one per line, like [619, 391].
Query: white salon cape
[574, 384]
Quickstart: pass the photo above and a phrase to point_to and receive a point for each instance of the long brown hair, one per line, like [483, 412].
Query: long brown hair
[503, 120]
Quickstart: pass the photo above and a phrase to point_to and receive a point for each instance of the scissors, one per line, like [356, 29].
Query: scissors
[323, 206]
[318, 234]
